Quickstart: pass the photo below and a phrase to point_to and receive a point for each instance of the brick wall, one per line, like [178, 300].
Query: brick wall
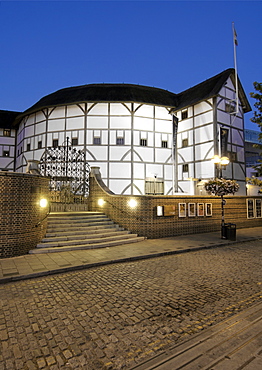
[144, 221]
[20, 214]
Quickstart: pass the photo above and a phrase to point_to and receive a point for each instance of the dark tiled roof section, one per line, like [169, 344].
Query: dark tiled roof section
[107, 93]
[7, 118]
[208, 89]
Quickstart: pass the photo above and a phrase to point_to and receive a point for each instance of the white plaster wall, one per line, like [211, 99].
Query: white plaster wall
[118, 152]
[185, 155]
[163, 126]
[120, 170]
[204, 169]
[139, 171]
[115, 185]
[204, 133]
[203, 150]
[97, 122]
[40, 128]
[120, 123]
[99, 109]
[146, 153]
[203, 107]
[40, 116]
[145, 111]
[75, 122]
[74, 110]
[186, 124]
[162, 113]
[56, 125]
[29, 131]
[204, 119]
[57, 112]
[141, 123]
[30, 120]
[154, 169]
[119, 109]
[237, 137]
[162, 155]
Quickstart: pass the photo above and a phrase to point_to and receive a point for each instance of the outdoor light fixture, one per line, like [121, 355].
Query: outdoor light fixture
[132, 203]
[43, 203]
[101, 202]
[220, 162]
[216, 159]
[224, 161]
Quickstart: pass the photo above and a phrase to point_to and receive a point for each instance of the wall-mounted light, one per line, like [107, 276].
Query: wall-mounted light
[132, 203]
[43, 202]
[101, 202]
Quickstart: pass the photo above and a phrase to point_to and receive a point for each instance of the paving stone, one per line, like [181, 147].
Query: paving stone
[41, 363]
[120, 314]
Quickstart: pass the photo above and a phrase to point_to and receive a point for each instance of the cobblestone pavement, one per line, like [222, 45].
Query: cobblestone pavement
[114, 316]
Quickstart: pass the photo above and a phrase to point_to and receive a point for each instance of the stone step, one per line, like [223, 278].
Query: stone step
[74, 239]
[73, 214]
[82, 230]
[76, 218]
[62, 227]
[85, 230]
[88, 246]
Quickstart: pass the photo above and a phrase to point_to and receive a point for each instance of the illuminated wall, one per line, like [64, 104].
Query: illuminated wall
[130, 142]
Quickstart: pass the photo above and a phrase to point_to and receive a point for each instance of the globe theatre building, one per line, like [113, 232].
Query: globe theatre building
[145, 140]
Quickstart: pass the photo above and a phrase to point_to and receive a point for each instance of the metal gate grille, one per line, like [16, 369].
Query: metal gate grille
[68, 171]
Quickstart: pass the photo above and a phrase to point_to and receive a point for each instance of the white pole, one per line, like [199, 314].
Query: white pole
[235, 65]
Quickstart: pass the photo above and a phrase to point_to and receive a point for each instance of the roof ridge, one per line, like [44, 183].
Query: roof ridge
[229, 71]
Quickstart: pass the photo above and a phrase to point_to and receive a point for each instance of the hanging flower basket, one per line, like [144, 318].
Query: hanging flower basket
[221, 187]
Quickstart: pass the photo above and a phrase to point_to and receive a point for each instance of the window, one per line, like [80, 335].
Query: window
[184, 114]
[154, 187]
[28, 147]
[97, 141]
[120, 141]
[164, 144]
[7, 132]
[74, 141]
[6, 153]
[55, 143]
[185, 167]
[232, 156]
[39, 146]
[143, 142]
[230, 107]
[184, 143]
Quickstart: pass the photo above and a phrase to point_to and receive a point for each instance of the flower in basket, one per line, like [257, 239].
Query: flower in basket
[221, 187]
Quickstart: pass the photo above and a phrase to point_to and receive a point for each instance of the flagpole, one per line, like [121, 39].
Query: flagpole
[235, 65]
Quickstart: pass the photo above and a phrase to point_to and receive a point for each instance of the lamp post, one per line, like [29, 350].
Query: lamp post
[221, 163]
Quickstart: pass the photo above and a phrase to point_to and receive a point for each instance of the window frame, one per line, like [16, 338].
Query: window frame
[7, 132]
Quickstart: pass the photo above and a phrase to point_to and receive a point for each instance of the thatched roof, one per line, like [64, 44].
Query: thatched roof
[138, 94]
[107, 93]
[7, 118]
[208, 89]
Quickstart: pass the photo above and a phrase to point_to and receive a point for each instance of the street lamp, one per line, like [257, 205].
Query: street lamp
[220, 163]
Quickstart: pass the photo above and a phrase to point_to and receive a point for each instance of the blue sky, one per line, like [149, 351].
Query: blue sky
[173, 45]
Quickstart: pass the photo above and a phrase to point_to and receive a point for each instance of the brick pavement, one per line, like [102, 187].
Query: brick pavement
[115, 316]
[29, 266]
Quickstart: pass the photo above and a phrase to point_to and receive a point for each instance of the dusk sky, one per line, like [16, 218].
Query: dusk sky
[173, 45]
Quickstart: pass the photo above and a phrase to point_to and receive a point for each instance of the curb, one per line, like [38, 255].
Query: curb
[10, 279]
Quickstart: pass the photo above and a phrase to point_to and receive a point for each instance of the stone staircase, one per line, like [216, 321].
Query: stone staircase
[67, 231]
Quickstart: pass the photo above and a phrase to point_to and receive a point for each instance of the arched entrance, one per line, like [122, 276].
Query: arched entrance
[68, 171]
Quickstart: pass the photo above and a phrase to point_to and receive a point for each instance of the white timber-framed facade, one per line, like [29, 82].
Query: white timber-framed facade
[145, 140]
